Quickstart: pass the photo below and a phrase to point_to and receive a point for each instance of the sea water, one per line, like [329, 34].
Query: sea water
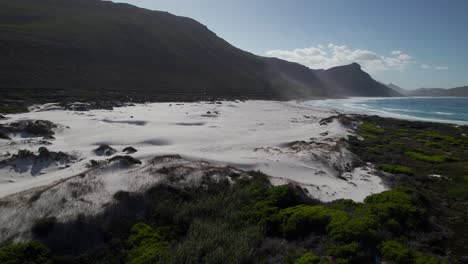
[438, 109]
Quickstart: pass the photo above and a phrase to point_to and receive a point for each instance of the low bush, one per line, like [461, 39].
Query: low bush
[308, 258]
[25, 253]
[146, 246]
[371, 128]
[428, 158]
[394, 251]
[396, 169]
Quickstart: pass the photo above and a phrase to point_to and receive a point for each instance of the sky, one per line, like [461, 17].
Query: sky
[413, 44]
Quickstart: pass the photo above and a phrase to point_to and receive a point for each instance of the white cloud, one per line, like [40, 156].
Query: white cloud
[331, 55]
[425, 66]
[441, 68]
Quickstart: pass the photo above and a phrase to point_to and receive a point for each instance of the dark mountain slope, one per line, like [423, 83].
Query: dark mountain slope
[351, 80]
[80, 49]
[397, 88]
[100, 45]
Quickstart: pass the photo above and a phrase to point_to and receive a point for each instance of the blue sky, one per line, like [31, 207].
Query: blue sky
[416, 43]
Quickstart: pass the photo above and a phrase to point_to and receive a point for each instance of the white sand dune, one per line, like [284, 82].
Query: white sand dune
[247, 135]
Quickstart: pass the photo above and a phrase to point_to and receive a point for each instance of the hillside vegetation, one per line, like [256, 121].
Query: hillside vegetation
[249, 221]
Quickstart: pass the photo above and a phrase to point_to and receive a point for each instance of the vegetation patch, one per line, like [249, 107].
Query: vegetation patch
[428, 158]
[396, 169]
[248, 221]
[371, 128]
[436, 156]
[25, 253]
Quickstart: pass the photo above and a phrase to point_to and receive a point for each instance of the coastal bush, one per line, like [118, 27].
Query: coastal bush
[393, 250]
[25, 253]
[396, 169]
[347, 254]
[12, 109]
[371, 128]
[349, 229]
[458, 189]
[420, 258]
[146, 246]
[301, 220]
[248, 221]
[395, 204]
[308, 258]
[217, 241]
[428, 158]
[428, 149]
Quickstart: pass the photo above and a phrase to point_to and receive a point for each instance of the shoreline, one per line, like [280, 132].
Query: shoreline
[346, 108]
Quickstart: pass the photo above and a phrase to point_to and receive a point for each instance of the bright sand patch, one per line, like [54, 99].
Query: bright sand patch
[247, 135]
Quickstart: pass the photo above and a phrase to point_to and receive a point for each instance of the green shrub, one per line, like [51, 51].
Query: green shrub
[368, 136]
[371, 128]
[301, 220]
[420, 258]
[398, 205]
[458, 189]
[392, 250]
[146, 246]
[282, 196]
[217, 241]
[308, 258]
[349, 253]
[428, 158]
[396, 169]
[11, 109]
[25, 253]
[361, 228]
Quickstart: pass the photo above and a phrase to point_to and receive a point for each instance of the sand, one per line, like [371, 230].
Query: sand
[251, 135]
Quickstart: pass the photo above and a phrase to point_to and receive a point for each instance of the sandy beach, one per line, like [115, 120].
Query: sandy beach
[252, 135]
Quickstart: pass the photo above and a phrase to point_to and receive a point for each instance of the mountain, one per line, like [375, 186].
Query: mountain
[397, 88]
[56, 50]
[351, 80]
[458, 91]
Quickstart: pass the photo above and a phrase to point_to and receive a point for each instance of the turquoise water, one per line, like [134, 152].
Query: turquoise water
[440, 109]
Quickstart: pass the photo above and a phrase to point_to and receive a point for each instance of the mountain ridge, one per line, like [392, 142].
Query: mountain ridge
[432, 92]
[92, 49]
[457, 91]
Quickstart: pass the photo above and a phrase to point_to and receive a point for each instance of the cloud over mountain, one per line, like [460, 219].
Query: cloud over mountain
[331, 55]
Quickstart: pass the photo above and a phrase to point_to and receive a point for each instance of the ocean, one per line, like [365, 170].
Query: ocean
[438, 109]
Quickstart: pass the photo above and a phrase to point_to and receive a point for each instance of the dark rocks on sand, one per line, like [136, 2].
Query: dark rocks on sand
[343, 119]
[129, 150]
[40, 128]
[28, 128]
[4, 136]
[48, 138]
[125, 160]
[26, 160]
[105, 150]
[23, 153]
[43, 151]
[45, 155]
